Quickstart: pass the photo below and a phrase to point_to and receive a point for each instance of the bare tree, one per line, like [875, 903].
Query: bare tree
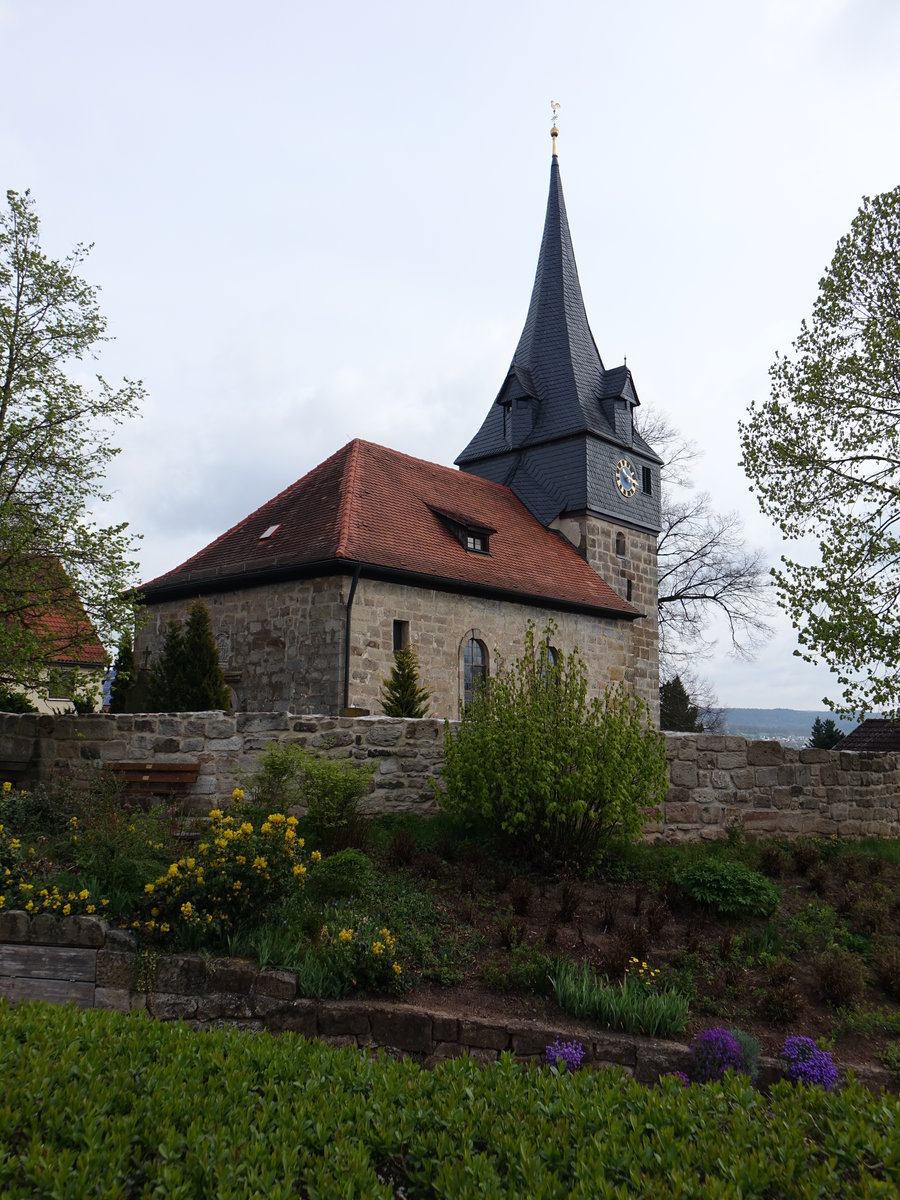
[705, 568]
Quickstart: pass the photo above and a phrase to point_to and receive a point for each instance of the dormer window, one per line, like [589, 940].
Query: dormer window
[471, 535]
[268, 532]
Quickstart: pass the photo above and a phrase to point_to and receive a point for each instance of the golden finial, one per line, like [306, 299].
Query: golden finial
[554, 131]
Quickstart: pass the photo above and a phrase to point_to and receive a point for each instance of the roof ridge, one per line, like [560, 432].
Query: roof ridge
[348, 498]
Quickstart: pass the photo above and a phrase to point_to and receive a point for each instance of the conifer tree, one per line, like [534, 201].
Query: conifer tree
[825, 734]
[676, 713]
[401, 693]
[187, 676]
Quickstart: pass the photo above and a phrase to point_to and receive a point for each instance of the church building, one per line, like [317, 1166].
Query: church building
[553, 515]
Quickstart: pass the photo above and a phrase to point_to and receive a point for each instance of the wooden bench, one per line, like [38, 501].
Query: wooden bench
[12, 769]
[158, 778]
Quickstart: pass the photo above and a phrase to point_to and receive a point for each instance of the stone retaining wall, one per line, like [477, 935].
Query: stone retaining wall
[717, 782]
[82, 960]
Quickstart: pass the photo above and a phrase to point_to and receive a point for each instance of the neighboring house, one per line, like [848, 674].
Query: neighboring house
[76, 659]
[875, 735]
[553, 516]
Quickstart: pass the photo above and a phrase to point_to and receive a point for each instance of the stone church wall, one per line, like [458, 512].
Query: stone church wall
[440, 623]
[282, 645]
[716, 783]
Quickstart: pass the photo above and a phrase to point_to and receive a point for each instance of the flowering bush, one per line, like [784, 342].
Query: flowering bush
[237, 873]
[360, 958]
[638, 972]
[808, 1064]
[715, 1051]
[564, 1056]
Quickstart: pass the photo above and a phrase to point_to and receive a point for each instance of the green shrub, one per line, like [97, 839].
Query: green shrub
[547, 769]
[344, 873]
[840, 976]
[133, 1107]
[527, 969]
[187, 675]
[632, 1005]
[289, 776]
[729, 889]
[332, 790]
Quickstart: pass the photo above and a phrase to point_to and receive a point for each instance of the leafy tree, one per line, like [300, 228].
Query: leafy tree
[825, 734]
[705, 568]
[14, 702]
[402, 695]
[187, 676]
[552, 772]
[823, 457]
[676, 712]
[55, 443]
[124, 676]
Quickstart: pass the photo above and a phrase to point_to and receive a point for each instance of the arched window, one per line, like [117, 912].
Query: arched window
[620, 545]
[475, 668]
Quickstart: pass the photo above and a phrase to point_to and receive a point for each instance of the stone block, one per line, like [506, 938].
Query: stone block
[223, 1006]
[115, 969]
[85, 931]
[282, 985]
[338, 1018]
[614, 1049]
[46, 929]
[181, 974]
[15, 926]
[764, 754]
[483, 1035]
[659, 1058]
[683, 774]
[444, 1028]
[299, 1017]
[115, 999]
[406, 1029]
[231, 975]
[164, 1006]
[120, 939]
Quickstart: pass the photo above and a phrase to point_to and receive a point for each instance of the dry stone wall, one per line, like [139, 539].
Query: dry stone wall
[82, 960]
[716, 782]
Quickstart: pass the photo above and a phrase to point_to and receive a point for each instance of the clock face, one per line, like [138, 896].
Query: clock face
[626, 477]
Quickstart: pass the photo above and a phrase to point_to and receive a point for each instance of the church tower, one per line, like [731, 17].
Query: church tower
[561, 435]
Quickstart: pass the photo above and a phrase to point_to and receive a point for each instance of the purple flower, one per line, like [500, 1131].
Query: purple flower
[565, 1056]
[713, 1052]
[808, 1064]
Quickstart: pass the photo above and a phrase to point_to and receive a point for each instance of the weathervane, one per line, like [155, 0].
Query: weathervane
[554, 131]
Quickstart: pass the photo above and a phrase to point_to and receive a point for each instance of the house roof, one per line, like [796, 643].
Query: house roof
[50, 607]
[396, 516]
[556, 361]
[875, 734]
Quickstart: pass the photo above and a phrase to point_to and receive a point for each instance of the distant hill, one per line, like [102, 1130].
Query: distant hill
[790, 726]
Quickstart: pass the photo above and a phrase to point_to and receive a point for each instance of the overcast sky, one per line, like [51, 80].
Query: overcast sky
[314, 223]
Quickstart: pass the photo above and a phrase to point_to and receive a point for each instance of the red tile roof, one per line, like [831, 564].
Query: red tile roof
[47, 603]
[367, 504]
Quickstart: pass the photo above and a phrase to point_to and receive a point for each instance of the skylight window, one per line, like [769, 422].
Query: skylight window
[268, 533]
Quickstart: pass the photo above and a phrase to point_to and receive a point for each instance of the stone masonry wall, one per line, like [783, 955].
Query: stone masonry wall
[716, 782]
[440, 623]
[82, 960]
[281, 646]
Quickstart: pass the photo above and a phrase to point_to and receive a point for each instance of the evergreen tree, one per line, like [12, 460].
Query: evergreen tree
[187, 676]
[825, 734]
[204, 681]
[676, 713]
[401, 694]
[124, 676]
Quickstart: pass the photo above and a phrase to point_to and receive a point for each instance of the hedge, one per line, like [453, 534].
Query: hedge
[100, 1104]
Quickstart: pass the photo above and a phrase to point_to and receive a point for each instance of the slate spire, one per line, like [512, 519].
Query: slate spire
[558, 405]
